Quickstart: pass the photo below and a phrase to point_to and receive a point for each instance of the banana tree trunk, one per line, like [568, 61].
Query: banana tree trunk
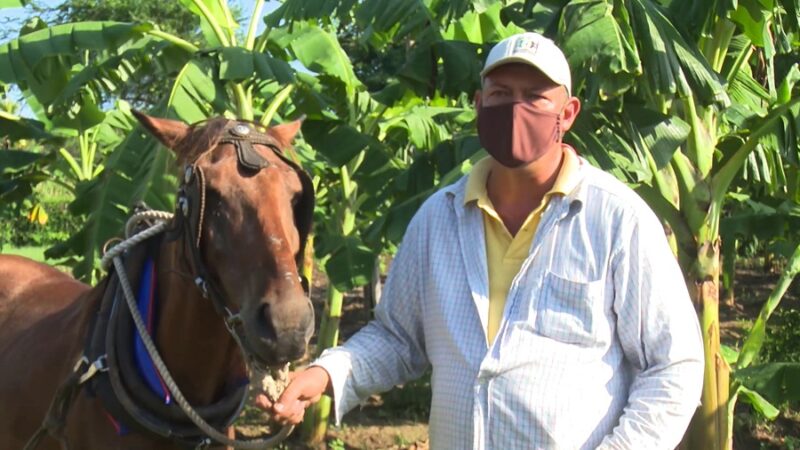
[729, 249]
[709, 427]
[307, 271]
[315, 422]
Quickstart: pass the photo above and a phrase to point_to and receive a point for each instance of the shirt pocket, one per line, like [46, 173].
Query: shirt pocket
[570, 311]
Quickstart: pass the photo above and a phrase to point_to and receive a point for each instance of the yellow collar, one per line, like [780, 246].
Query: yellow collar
[565, 182]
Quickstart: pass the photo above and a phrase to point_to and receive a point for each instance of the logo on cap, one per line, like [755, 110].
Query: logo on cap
[526, 45]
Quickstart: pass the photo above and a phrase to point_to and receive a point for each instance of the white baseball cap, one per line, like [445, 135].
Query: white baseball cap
[532, 49]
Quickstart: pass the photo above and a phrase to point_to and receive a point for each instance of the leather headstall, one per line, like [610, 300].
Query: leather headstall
[123, 393]
[191, 202]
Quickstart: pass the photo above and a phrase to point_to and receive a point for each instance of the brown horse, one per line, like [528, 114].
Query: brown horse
[233, 247]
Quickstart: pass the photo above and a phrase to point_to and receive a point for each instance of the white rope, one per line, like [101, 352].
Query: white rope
[113, 255]
[161, 216]
[129, 243]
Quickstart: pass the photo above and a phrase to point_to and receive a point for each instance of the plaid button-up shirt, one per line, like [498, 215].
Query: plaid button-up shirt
[599, 345]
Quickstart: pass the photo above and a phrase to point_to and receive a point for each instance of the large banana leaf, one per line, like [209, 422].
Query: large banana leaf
[541, 16]
[422, 126]
[430, 171]
[660, 135]
[461, 67]
[319, 51]
[599, 42]
[302, 10]
[19, 58]
[11, 4]
[213, 14]
[14, 161]
[138, 169]
[764, 407]
[20, 171]
[394, 21]
[671, 66]
[47, 64]
[350, 265]
[15, 128]
[777, 382]
[107, 75]
[337, 141]
[238, 64]
[481, 27]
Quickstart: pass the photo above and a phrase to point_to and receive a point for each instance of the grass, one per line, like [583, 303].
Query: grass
[34, 253]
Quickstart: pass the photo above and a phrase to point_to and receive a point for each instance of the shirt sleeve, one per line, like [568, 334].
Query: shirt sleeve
[390, 349]
[660, 336]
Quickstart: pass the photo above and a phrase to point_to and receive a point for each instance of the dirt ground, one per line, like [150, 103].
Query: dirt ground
[398, 419]
[751, 288]
[394, 420]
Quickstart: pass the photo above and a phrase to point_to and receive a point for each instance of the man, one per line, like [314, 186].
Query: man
[540, 290]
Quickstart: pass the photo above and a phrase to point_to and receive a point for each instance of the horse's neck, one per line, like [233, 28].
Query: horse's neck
[192, 337]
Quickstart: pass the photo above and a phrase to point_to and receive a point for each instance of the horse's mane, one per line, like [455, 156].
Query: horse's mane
[206, 134]
[203, 136]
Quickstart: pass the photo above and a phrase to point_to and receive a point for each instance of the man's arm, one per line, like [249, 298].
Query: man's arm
[660, 336]
[388, 351]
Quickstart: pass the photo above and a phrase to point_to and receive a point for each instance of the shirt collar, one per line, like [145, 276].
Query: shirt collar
[566, 180]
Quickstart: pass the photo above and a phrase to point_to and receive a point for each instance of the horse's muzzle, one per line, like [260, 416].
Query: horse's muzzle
[281, 330]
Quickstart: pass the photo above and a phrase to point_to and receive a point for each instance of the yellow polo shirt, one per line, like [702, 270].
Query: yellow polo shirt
[505, 253]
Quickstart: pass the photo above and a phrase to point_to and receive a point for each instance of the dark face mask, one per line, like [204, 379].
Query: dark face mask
[517, 134]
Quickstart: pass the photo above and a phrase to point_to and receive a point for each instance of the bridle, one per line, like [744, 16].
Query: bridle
[100, 366]
[190, 214]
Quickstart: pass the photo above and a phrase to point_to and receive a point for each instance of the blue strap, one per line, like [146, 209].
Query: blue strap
[146, 301]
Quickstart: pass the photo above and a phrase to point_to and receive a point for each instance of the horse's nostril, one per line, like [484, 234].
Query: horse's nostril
[266, 329]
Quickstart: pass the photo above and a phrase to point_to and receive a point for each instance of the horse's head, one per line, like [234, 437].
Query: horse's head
[247, 211]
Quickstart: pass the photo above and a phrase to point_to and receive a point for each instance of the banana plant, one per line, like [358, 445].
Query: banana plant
[86, 63]
[22, 167]
[11, 4]
[391, 142]
[703, 110]
[763, 385]
[678, 95]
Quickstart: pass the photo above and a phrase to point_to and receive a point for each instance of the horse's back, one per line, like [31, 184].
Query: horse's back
[29, 289]
[41, 317]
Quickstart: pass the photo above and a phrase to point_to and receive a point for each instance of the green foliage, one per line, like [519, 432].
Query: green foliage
[681, 99]
[151, 85]
[20, 172]
[760, 404]
[412, 401]
[776, 382]
[18, 230]
[783, 337]
[10, 3]
[170, 16]
[336, 444]
[755, 338]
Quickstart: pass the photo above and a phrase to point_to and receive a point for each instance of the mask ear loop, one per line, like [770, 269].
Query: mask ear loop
[557, 131]
[559, 136]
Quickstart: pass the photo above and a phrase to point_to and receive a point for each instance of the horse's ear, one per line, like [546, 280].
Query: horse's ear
[169, 132]
[286, 132]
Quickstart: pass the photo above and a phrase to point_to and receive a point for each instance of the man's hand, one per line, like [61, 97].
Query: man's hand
[305, 389]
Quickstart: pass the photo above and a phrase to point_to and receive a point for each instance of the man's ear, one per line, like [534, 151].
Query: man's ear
[169, 132]
[570, 112]
[477, 98]
[286, 132]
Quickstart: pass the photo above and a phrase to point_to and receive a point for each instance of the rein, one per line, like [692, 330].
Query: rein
[188, 224]
[210, 431]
